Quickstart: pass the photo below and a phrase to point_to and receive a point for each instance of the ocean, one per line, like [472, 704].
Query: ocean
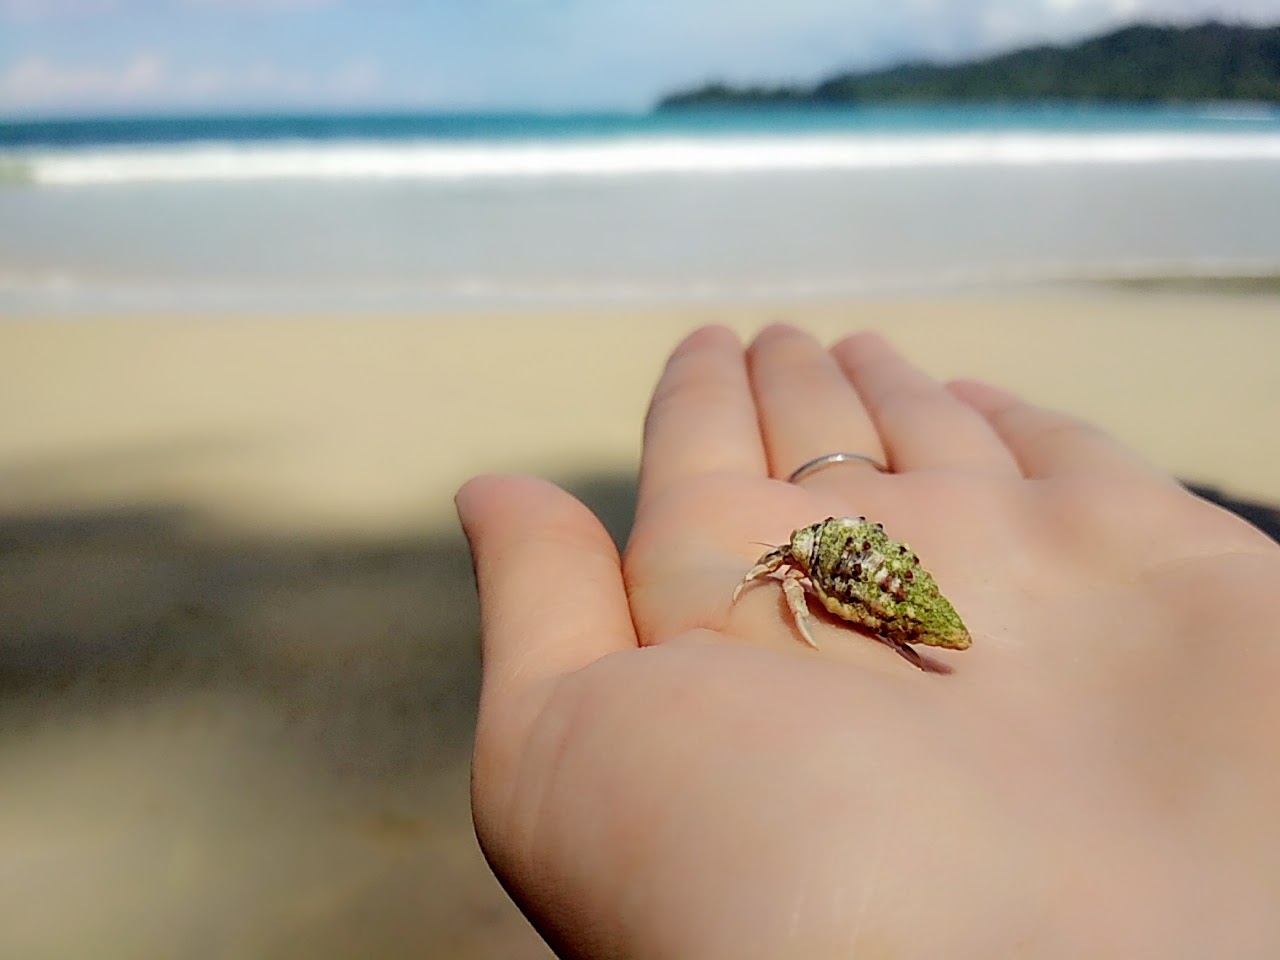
[459, 211]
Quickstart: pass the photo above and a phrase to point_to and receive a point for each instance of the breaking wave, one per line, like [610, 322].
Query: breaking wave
[626, 157]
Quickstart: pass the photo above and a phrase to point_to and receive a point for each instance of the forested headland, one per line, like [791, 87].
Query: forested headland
[1141, 63]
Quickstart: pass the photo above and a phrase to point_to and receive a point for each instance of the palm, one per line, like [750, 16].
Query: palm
[730, 792]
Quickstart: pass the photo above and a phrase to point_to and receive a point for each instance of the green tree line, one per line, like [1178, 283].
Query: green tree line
[1144, 62]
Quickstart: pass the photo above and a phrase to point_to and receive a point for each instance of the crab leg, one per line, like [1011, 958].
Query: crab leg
[798, 601]
[770, 562]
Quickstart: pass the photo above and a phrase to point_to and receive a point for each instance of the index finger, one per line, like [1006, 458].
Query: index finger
[702, 419]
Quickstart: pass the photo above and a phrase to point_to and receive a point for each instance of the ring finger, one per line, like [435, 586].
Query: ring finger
[923, 426]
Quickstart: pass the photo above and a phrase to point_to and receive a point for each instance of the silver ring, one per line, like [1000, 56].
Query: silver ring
[827, 459]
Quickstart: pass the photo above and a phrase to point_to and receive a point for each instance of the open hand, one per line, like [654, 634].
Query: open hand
[659, 773]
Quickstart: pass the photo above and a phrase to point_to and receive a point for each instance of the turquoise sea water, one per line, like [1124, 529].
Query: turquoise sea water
[447, 211]
[500, 127]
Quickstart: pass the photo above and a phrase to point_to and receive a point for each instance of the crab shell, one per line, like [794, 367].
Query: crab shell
[862, 575]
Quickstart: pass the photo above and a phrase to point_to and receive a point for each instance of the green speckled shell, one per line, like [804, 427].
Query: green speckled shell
[863, 575]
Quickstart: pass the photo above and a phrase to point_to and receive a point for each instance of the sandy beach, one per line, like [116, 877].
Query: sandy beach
[238, 666]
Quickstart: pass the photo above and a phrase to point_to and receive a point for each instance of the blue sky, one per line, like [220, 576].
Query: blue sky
[112, 56]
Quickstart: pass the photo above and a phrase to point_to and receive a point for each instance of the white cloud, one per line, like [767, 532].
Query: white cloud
[36, 81]
[149, 80]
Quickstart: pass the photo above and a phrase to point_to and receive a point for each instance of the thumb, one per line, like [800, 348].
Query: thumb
[552, 598]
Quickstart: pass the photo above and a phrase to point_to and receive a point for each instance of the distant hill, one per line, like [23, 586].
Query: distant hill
[1212, 61]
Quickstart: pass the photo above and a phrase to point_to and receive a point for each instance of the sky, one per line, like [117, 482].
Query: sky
[91, 57]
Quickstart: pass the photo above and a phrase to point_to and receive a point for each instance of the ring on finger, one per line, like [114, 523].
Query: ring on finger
[827, 459]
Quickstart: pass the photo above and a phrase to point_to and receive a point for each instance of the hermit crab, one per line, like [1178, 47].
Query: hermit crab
[863, 575]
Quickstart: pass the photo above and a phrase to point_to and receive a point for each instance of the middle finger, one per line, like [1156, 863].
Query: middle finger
[806, 406]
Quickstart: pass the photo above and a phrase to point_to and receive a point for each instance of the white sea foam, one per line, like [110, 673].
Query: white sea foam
[622, 157]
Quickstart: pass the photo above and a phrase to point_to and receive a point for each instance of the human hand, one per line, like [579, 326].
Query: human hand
[658, 773]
